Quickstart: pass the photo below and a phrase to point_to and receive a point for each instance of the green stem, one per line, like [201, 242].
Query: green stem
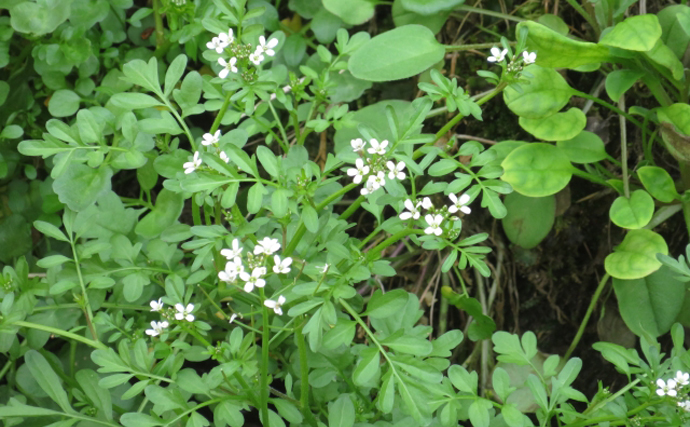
[87, 306]
[304, 374]
[181, 121]
[265, 338]
[286, 143]
[221, 113]
[160, 30]
[624, 148]
[196, 212]
[92, 343]
[591, 21]
[375, 251]
[459, 47]
[5, 368]
[464, 8]
[194, 409]
[685, 178]
[588, 314]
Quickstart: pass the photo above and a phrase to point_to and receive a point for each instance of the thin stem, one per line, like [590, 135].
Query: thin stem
[464, 8]
[588, 314]
[5, 368]
[304, 374]
[221, 113]
[286, 142]
[624, 148]
[591, 21]
[160, 31]
[87, 307]
[265, 339]
[181, 121]
[685, 178]
[60, 332]
[459, 47]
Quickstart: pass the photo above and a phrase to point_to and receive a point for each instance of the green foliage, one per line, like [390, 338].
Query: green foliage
[529, 219]
[537, 170]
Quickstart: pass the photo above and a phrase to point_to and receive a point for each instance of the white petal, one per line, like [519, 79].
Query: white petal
[270, 303]
[248, 287]
[281, 300]
[466, 210]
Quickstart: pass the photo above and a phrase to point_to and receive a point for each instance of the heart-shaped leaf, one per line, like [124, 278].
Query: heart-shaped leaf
[634, 212]
[635, 257]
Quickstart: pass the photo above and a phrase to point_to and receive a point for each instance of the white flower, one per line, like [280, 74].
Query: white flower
[371, 185]
[434, 222]
[459, 203]
[184, 312]
[227, 67]
[256, 57]
[426, 203]
[190, 167]
[682, 378]
[226, 38]
[378, 148]
[497, 55]
[217, 44]
[267, 48]
[529, 57]
[396, 171]
[281, 267]
[357, 144]
[232, 269]
[685, 405]
[379, 179]
[224, 157]
[358, 171]
[234, 252]
[156, 328]
[254, 280]
[413, 210]
[666, 388]
[266, 246]
[275, 305]
[157, 305]
[209, 139]
[323, 269]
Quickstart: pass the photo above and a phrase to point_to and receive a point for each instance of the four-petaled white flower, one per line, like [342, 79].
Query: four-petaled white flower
[371, 185]
[529, 57]
[434, 222]
[396, 171]
[281, 267]
[157, 305]
[685, 405]
[413, 210]
[497, 55]
[378, 147]
[190, 167]
[209, 139]
[426, 203]
[156, 328]
[323, 269]
[266, 246]
[275, 305]
[256, 57]
[267, 47]
[357, 144]
[226, 38]
[232, 269]
[254, 280]
[234, 252]
[666, 388]
[227, 67]
[379, 179]
[358, 171]
[184, 312]
[459, 203]
[682, 378]
[217, 44]
[224, 157]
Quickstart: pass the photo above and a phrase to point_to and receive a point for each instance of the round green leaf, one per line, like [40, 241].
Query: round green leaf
[353, 12]
[529, 219]
[658, 182]
[650, 304]
[39, 18]
[635, 257]
[166, 212]
[639, 33]
[403, 16]
[586, 147]
[80, 186]
[558, 51]
[430, 7]
[619, 81]
[397, 54]
[537, 169]
[632, 213]
[542, 95]
[557, 127]
[63, 103]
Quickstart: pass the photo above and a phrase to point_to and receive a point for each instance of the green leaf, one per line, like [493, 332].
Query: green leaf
[409, 344]
[230, 413]
[341, 413]
[134, 101]
[512, 415]
[529, 219]
[174, 73]
[367, 367]
[586, 147]
[658, 182]
[50, 230]
[255, 197]
[63, 103]
[90, 130]
[352, 12]
[17, 410]
[558, 51]
[397, 54]
[538, 391]
[557, 127]
[143, 74]
[635, 257]
[619, 81]
[279, 202]
[88, 381]
[310, 218]
[537, 169]
[47, 379]
[136, 419]
[462, 379]
[342, 334]
[479, 413]
[542, 95]
[501, 383]
[639, 33]
[402, 16]
[268, 160]
[664, 56]
[386, 395]
[675, 28]
[80, 186]
[39, 18]
[632, 213]
[52, 261]
[651, 304]
[430, 7]
[385, 305]
[166, 212]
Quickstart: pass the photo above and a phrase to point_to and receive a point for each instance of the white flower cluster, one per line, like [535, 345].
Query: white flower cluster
[256, 263]
[207, 140]
[499, 55]
[374, 169]
[240, 53]
[673, 386]
[435, 217]
[182, 312]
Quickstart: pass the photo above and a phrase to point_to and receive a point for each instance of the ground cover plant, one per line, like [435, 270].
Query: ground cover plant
[335, 213]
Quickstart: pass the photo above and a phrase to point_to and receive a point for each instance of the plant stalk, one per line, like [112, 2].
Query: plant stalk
[588, 314]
